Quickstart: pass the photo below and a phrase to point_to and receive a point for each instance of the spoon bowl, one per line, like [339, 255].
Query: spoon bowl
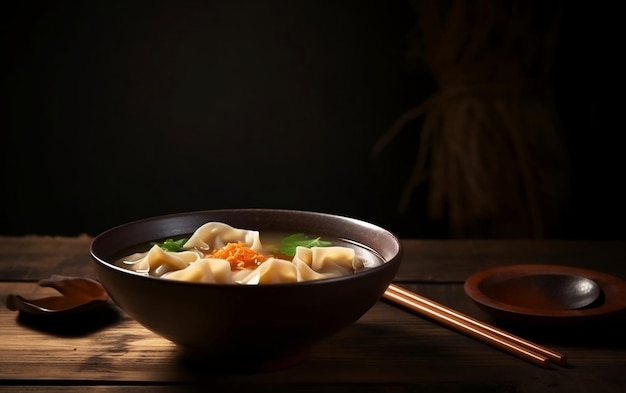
[76, 294]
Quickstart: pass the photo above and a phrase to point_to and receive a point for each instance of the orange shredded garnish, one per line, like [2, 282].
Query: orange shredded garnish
[239, 256]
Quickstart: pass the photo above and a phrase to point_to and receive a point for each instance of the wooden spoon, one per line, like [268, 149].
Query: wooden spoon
[77, 294]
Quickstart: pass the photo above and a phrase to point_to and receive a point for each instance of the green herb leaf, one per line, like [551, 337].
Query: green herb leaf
[288, 244]
[171, 244]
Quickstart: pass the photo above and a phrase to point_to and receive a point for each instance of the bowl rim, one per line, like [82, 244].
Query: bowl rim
[390, 263]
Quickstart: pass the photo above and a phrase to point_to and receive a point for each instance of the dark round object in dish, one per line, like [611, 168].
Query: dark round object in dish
[245, 327]
[526, 293]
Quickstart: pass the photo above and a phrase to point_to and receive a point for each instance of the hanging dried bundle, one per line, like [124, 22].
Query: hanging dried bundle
[490, 146]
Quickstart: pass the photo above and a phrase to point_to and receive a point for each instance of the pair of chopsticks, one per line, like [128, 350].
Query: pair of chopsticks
[472, 327]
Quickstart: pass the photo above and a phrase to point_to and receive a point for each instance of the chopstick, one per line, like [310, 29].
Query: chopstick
[505, 341]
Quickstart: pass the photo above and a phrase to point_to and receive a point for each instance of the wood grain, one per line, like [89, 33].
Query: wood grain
[388, 350]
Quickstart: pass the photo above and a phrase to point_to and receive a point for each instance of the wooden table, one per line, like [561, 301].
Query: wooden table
[388, 350]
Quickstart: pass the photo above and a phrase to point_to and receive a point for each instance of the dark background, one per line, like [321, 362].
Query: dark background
[119, 110]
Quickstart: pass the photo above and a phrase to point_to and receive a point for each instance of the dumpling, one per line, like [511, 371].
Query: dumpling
[305, 272]
[209, 270]
[330, 261]
[217, 234]
[157, 261]
[272, 271]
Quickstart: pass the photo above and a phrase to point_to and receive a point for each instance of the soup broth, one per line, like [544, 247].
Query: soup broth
[219, 253]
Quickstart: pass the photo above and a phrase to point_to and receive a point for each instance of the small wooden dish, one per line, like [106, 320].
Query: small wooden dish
[505, 293]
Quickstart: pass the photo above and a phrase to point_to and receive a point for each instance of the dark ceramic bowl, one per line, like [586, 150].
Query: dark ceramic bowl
[245, 327]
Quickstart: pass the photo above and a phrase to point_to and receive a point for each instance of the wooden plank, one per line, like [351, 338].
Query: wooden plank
[387, 345]
[373, 344]
[454, 260]
[388, 349]
[32, 258]
[422, 387]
